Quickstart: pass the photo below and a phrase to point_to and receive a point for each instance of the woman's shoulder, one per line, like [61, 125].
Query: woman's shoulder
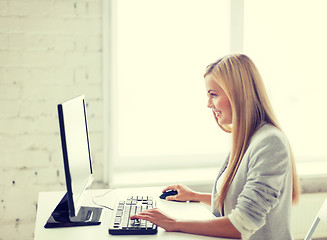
[270, 140]
[269, 134]
[269, 146]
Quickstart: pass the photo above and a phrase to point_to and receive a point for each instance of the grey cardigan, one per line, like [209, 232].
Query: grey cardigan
[262, 187]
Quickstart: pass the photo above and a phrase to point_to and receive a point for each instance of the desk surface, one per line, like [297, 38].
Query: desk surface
[48, 201]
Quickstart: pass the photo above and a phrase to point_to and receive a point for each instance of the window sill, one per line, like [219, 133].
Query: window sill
[313, 176]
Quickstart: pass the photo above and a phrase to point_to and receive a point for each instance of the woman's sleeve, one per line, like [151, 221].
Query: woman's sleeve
[242, 223]
[268, 165]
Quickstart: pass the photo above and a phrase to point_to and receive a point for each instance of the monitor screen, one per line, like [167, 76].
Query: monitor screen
[76, 150]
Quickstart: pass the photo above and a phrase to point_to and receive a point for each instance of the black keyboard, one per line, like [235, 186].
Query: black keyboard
[121, 223]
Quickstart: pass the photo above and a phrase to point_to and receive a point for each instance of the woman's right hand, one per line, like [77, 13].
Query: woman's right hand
[184, 193]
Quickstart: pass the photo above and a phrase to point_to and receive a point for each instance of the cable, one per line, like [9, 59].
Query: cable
[100, 205]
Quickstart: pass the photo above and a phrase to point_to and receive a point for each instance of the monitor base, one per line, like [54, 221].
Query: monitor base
[60, 216]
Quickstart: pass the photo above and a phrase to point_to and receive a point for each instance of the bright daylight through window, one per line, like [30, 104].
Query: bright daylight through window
[290, 53]
[163, 48]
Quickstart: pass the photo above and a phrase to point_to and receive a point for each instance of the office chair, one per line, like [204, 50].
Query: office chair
[322, 215]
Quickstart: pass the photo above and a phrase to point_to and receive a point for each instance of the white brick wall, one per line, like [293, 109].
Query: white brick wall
[50, 50]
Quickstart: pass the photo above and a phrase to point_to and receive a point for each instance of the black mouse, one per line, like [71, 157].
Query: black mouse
[168, 193]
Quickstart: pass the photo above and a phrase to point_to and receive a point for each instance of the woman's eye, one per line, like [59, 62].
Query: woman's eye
[213, 95]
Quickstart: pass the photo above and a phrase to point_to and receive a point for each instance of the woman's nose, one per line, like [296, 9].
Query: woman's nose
[209, 104]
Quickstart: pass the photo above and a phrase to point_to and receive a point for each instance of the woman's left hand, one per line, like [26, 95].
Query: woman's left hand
[158, 218]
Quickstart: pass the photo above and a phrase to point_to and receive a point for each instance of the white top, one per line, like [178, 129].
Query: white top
[220, 182]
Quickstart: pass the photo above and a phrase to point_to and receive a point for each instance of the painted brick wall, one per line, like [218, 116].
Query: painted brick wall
[50, 50]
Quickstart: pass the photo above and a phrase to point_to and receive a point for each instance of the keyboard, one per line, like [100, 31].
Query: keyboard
[121, 224]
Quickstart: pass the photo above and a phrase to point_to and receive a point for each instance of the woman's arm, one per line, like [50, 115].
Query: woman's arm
[219, 227]
[186, 194]
[202, 197]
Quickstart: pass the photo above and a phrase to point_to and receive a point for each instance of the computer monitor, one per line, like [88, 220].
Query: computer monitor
[77, 166]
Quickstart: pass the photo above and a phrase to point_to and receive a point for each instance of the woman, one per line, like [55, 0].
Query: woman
[255, 188]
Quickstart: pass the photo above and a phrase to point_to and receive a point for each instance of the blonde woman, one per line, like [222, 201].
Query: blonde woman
[255, 188]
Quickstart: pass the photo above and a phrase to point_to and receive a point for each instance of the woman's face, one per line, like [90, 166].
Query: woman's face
[218, 101]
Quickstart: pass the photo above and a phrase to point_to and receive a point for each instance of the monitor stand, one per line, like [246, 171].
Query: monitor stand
[60, 216]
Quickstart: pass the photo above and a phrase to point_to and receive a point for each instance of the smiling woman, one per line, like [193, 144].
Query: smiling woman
[254, 189]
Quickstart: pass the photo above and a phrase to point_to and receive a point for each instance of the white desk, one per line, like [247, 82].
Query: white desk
[48, 201]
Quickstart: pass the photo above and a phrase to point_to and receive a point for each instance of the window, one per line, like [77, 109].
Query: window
[287, 41]
[158, 101]
[160, 114]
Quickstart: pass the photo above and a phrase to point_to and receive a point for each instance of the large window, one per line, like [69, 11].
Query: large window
[287, 41]
[162, 49]
[160, 52]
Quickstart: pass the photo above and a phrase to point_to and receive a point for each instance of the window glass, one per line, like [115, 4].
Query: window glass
[163, 48]
[287, 41]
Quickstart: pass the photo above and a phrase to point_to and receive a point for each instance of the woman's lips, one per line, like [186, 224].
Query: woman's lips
[217, 113]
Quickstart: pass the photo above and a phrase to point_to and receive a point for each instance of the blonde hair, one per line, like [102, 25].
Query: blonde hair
[239, 78]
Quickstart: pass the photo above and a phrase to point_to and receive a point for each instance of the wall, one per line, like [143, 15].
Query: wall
[304, 214]
[50, 50]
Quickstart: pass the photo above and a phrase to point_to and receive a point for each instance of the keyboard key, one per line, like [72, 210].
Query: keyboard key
[119, 213]
[117, 220]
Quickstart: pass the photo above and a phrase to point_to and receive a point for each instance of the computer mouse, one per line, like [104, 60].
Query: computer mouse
[168, 193]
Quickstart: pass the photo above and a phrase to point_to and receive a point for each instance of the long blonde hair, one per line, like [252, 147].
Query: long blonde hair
[239, 78]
